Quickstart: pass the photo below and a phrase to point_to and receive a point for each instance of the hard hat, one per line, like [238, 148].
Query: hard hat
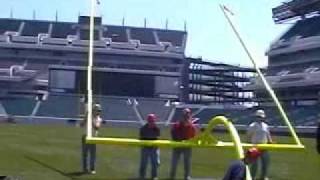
[253, 153]
[96, 107]
[186, 111]
[260, 113]
[151, 118]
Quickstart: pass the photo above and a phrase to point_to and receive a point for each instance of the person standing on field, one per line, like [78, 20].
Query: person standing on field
[259, 133]
[89, 150]
[184, 129]
[149, 131]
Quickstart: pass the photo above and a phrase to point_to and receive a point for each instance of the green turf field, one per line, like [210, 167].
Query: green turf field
[52, 152]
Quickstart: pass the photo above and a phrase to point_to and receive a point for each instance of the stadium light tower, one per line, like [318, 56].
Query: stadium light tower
[89, 68]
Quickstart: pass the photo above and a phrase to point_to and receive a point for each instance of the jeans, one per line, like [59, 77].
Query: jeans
[148, 153]
[158, 157]
[264, 159]
[88, 154]
[186, 152]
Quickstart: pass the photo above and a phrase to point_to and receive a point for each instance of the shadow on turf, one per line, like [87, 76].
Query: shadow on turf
[70, 175]
[73, 175]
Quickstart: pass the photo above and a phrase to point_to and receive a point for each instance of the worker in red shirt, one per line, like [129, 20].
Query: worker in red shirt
[182, 130]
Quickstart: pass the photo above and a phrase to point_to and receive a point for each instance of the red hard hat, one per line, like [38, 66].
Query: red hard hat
[253, 153]
[151, 118]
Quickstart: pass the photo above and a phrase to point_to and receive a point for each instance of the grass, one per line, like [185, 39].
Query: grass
[52, 152]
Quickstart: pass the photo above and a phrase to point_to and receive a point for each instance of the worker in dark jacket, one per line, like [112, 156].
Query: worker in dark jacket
[149, 131]
[182, 130]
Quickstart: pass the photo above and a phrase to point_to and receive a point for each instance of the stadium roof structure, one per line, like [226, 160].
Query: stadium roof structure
[224, 66]
[74, 36]
[294, 9]
[293, 59]
[302, 36]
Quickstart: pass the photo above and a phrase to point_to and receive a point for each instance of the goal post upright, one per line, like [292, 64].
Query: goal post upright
[262, 77]
[89, 70]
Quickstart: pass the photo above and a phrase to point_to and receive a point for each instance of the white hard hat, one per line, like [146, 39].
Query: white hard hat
[260, 113]
[96, 107]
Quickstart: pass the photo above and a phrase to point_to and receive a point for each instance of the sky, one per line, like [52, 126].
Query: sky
[209, 35]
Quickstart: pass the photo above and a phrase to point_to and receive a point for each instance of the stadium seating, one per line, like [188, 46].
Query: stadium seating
[77, 35]
[33, 28]
[19, 106]
[174, 37]
[60, 107]
[206, 114]
[145, 36]
[116, 33]
[2, 110]
[59, 33]
[62, 30]
[294, 69]
[304, 28]
[298, 115]
[176, 49]
[273, 72]
[114, 108]
[7, 64]
[9, 25]
[237, 116]
[85, 34]
[155, 106]
[312, 28]
[304, 115]
[31, 31]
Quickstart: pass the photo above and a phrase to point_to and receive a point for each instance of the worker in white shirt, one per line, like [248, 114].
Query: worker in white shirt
[259, 133]
[89, 150]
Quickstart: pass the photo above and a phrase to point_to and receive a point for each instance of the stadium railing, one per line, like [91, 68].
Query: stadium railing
[55, 41]
[3, 38]
[85, 43]
[25, 39]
